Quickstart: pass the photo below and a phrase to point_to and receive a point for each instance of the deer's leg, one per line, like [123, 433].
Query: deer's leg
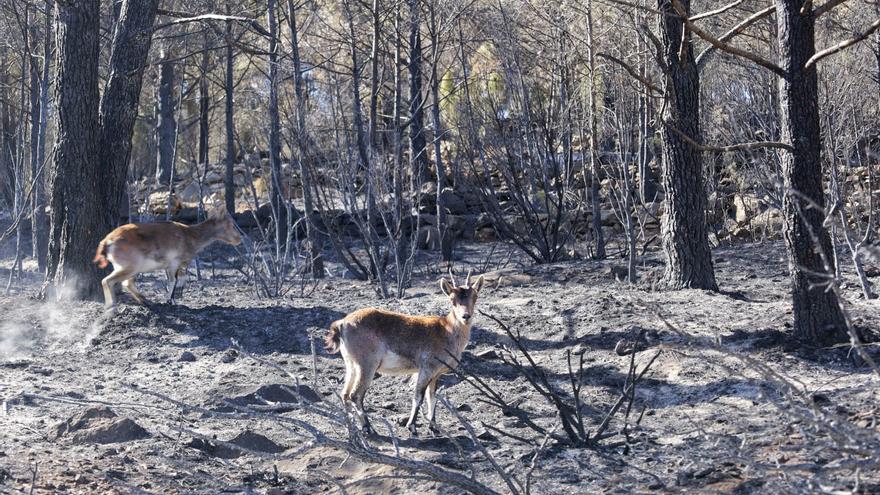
[174, 281]
[421, 384]
[171, 275]
[119, 274]
[431, 397]
[362, 380]
[128, 284]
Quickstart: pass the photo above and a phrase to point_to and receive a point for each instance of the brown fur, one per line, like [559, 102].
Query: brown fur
[424, 347]
[138, 248]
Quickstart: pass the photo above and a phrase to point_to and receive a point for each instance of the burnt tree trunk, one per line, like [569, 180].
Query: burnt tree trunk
[229, 179]
[316, 258]
[204, 112]
[277, 187]
[8, 142]
[39, 102]
[78, 215]
[446, 237]
[684, 231]
[417, 144]
[166, 127]
[119, 104]
[818, 318]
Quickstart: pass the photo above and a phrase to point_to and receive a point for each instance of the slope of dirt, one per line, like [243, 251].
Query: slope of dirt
[171, 385]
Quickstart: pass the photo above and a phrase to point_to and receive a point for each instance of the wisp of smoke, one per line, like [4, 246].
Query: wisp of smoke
[58, 323]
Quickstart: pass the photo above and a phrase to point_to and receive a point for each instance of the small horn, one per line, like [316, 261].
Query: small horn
[467, 282]
[452, 277]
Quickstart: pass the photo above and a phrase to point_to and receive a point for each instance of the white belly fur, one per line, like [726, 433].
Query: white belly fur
[395, 364]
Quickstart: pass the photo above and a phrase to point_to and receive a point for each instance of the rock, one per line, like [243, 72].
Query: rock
[464, 408]
[488, 354]
[229, 356]
[190, 194]
[452, 202]
[100, 425]
[428, 238]
[247, 440]
[487, 436]
[158, 203]
[187, 357]
[274, 393]
[617, 272]
[485, 234]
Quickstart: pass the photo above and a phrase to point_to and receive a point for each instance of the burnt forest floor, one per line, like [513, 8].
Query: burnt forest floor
[145, 401]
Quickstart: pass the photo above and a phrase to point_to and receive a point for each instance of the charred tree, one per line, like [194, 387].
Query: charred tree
[277, 186]
[39, 103]
[166, 127]
[229, 83]
[78, 215]
[685, 233]
[818, 318]
[119, 104]
[446, 236]
[417, 142]
[316, 259]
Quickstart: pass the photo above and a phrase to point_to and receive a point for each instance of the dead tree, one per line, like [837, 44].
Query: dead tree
[313, 236]
[39, 75]
[817, 315]
[78, 215]
[417, 143]
[166, 128]
[685, 233]
[119, 103]
[229, 88]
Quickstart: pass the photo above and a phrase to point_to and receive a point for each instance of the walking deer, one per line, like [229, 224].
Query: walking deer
[145, 247]
[372, 340]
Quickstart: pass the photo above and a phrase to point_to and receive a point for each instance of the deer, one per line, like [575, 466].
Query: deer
[145, 247]
[373, 340]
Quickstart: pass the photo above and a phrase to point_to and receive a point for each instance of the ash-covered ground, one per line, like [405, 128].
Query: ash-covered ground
[152, 399]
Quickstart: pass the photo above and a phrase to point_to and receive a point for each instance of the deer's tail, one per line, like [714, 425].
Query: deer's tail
[101, 254]
[333, 338]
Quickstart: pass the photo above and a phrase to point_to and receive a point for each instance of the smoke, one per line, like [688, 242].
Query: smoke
[59, 323]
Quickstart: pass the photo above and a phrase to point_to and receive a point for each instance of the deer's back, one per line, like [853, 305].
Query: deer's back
[372, 330]
[148, 246]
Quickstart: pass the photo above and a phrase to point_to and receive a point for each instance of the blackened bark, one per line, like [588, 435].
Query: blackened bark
[166, 127]
[8, 142]
[316, 258]
[229, 180]
[684, 230]
[446, 237]
[418, 156]
[277, 189]
[595, 206]
[818, 319]
[41, 221]
[78, 217]
[204, 108]
[119, 104]
[39, 237]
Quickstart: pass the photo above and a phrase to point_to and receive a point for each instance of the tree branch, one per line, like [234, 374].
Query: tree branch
[735, 31]
[679, 9]
[840, 46]
[825, 7]
[733, 147]
[631, 71]
[716, 11]
[182, 18]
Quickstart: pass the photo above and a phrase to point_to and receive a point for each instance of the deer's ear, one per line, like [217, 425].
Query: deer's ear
[445, 286]
[479, 284]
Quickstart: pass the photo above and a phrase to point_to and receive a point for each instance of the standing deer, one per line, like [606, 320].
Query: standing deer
[374, 340]
[145, 247]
